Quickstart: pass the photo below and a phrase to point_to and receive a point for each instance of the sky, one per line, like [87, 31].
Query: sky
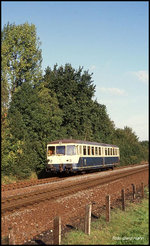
[107, 38]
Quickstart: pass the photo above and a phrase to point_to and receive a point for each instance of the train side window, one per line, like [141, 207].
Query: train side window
[80, 148]
[99, 150]
[84, 150]
[105, 151]
[111, 151]
[96, 151]
[89, 150]
[92, 150]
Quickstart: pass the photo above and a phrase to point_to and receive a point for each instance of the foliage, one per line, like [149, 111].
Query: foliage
[21, 56]
[35, 119]
[21, 63]
[83, 118]
[130, 149]
[144, 150]
[102, 127]
[37, 109]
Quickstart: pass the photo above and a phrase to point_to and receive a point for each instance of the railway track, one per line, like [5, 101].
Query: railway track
[24, 184]
[32, 182]
[19, 201]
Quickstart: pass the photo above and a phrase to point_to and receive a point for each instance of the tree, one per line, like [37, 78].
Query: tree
[4, 96]
[74, 89]
[144, 150]
[130, 148]
[21, 63]
[102, 127]
[21, 56]
[35, 119]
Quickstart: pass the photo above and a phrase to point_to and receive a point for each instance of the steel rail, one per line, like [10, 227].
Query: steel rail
[24, 184]
[15, 202]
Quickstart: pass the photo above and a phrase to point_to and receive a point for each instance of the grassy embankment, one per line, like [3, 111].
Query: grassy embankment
[12, 179]
[128, 228]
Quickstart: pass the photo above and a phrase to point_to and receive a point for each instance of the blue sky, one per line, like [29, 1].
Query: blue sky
[110, 39]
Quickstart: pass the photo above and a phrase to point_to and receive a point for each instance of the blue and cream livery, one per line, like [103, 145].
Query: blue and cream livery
[70, 155]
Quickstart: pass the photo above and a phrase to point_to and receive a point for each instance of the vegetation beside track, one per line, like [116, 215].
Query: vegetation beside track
[125, 228]
[13, 179]
[41, 107]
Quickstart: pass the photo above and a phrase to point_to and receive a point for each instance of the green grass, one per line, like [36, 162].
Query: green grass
[125, 228]
[8, 179]
[12, 179]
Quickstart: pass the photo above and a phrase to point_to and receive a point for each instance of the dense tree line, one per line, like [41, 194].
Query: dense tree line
[37, 108]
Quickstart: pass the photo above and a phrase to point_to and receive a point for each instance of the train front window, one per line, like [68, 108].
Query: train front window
[51, 150]
[60, 150]
[71, 150]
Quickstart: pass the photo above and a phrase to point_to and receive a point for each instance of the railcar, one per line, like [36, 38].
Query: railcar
[71, 155]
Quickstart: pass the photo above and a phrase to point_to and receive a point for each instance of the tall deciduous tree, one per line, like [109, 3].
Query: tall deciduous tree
[83, 117]
[35, 119]
[74, 89]
[21, 63]
[130, 148]
[102, 126]
[21, 55]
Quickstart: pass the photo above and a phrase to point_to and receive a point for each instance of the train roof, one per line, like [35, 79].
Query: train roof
[75, 141]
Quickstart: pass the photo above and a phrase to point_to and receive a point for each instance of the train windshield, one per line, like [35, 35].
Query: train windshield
[71, 150]
[51, 150]
[60, 150]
